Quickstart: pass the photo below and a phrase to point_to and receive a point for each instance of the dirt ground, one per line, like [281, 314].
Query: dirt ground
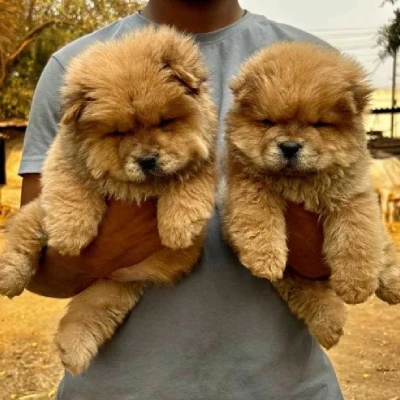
[367, 360]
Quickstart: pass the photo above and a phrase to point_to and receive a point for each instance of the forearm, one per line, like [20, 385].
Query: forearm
[127, 235]
[55, 277]
[304, 240]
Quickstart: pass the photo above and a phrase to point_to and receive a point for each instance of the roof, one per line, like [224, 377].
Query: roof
[390, 110]
[13, 123]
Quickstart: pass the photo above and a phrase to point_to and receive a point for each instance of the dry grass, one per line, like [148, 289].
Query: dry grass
[28, 364]
[367, 360]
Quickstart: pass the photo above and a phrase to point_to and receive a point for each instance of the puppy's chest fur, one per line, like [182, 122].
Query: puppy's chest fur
[126, 191]
[324, 192]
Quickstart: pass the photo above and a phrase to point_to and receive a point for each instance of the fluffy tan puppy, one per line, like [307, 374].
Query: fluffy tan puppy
[295, 134]
[138, 122]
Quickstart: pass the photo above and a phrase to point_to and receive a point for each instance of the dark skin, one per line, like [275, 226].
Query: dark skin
[128, 233]
[195, 16]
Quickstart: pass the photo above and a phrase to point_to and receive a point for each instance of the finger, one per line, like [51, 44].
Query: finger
[126, 274]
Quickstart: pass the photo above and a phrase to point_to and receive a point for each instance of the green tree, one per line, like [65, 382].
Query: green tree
[389, 36]
[389, 42]
[31, 30]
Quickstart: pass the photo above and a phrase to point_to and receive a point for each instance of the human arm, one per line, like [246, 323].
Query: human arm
[305, 240]
[127, 235]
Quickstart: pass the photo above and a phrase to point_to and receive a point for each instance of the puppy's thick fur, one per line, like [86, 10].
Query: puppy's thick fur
[138, 122]
[295, 134]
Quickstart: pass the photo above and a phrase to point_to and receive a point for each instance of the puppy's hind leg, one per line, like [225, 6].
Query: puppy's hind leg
[316, 304]
[389, 278]
[384, 202]
[391, 215]
[92, 318]
[24, 241]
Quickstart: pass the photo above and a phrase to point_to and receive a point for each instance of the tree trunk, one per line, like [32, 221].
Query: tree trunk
[393, 94]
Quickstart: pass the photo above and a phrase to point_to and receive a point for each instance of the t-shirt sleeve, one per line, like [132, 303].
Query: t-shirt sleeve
[43, 118]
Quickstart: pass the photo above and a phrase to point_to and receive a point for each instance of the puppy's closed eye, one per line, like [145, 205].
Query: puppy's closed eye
[322, 124]
[166, 122]
[116, 133]
[267, 122]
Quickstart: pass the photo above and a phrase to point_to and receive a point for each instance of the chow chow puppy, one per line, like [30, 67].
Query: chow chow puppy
[138, 122]
[295, 134]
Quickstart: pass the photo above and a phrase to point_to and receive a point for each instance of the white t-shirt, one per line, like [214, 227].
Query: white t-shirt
[220, 334]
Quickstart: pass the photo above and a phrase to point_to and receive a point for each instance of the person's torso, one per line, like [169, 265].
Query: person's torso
[220, 334]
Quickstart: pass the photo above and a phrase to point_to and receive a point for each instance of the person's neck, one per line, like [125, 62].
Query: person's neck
[193, 16]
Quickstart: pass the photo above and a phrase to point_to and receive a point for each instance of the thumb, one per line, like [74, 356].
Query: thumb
[128, 274]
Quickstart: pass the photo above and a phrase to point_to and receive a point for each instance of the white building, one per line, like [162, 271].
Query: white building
[382, 98]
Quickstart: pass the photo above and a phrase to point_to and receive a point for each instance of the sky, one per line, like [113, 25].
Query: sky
[349, 25]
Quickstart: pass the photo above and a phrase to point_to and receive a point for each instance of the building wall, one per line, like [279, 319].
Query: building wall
[10, 194]
[382, 98]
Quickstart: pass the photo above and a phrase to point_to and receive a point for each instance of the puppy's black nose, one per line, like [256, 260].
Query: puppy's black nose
[290, 149]
[148, 163]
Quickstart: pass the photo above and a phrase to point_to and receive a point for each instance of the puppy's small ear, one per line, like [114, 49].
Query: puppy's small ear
[191, 78]
[361, 92]
[73, 105]
[236, 85]
[243, 87]
[358, 85]
[72, 112]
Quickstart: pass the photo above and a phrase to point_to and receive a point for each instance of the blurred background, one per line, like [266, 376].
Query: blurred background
[368, 358]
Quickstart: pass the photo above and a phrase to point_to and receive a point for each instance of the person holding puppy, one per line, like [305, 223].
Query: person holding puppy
[221, 334]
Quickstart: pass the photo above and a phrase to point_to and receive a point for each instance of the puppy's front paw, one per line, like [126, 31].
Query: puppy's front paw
[178, 238]
[268, 265]
[327, 324]
[328, 335]
[354, 290]
[389, 293]
[66, 246]
[389, 286]
[15, 273]
[72, 243]
[76, 346]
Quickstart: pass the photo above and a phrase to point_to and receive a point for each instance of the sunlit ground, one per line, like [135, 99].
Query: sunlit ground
[367, 360]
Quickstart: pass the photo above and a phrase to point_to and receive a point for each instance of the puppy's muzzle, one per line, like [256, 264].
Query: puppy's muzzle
[290, 150]
[149, 164]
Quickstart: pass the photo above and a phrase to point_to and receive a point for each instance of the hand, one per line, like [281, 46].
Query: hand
[305, 240]
[128, 235]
